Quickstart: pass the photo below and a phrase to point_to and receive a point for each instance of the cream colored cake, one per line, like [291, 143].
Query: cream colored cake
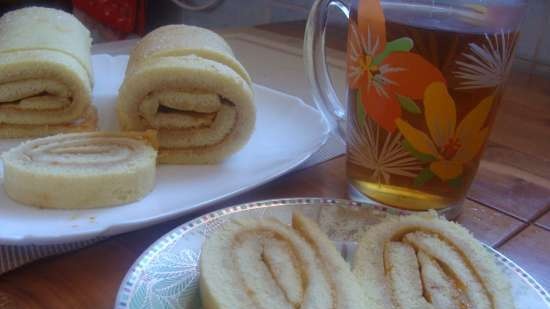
[185, 82]
[266, 264]
[45, 74]
[81, 170]
[423, 261]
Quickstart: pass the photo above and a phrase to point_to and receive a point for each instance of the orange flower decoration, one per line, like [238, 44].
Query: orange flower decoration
[451, 146]
[382, 71]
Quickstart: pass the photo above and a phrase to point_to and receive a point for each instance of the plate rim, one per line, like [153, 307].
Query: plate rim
[119, 228]
[126, 285]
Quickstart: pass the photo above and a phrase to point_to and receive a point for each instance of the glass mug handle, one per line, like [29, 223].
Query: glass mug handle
[317, 72]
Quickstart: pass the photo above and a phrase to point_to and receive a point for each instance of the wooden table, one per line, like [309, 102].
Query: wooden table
[508, 206]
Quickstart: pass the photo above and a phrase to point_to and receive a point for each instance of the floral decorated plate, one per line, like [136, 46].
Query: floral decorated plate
[166, 274]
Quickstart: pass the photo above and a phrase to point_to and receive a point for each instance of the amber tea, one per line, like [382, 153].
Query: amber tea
[424, 87]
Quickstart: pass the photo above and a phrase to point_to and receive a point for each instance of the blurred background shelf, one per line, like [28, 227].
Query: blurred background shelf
[111, 20]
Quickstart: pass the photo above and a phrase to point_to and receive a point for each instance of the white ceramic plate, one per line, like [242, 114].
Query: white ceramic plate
[166, 274]
[287, 132]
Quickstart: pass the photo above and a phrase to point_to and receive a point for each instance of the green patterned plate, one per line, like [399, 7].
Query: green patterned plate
[166, 274]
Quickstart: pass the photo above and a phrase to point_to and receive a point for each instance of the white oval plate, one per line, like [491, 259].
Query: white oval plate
[166, 274]
[287, 133]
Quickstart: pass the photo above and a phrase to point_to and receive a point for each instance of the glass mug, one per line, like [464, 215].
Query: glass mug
[425, 79]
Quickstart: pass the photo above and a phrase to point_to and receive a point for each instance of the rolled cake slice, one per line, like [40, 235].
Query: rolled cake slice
[266, 264]
[423, 261]
[45, 74]
[81, 170]
[185, 82]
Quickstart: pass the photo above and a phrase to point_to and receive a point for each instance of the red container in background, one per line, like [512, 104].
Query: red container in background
[122, 16]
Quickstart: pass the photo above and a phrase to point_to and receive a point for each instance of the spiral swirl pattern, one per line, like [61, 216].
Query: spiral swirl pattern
[45, 74]
[81, 170]
[423, 261]
[266, 264]
[185, 82]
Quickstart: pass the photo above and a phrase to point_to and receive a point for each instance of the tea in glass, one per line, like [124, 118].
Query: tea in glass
[424, 89]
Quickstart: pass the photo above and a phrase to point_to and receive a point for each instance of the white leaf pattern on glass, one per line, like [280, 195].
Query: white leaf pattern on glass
[487, 65]
[384, 156]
